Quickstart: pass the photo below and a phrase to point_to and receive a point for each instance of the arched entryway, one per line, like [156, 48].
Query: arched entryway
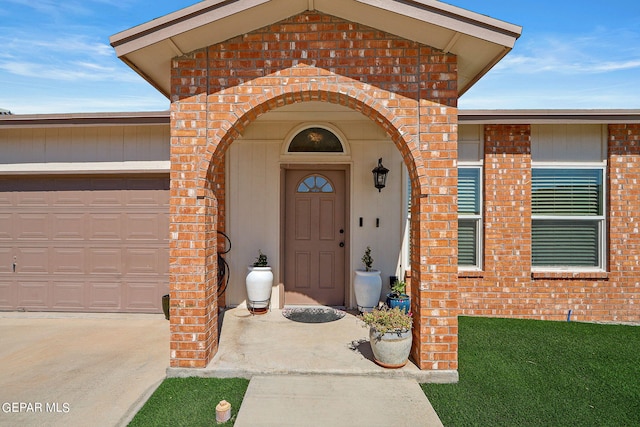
[199, 206]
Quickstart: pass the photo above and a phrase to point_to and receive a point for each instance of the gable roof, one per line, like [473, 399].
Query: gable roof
[478, 41]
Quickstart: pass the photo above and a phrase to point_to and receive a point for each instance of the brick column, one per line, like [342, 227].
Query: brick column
[623, 299]
[507, 200]
[435, 242]
[193, 211]
[507, 216]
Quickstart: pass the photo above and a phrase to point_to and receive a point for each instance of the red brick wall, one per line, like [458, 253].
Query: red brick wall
[620, 300]
[410, 91]
[407, 89]
[434, 243]
[506, 287]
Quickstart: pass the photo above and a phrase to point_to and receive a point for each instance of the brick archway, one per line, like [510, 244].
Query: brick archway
[198, 202]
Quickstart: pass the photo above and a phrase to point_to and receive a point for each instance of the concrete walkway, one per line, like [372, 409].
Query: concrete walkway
[79, 369]
[270, 344]
[337, 401]
[99, 370]
[315, 374]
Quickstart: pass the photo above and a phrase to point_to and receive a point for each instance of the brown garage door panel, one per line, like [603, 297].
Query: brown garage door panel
[33, 294]
[84, 243]
[141, 296]
[104, 295]
[6, 224]
[68, 295]
[69, 260]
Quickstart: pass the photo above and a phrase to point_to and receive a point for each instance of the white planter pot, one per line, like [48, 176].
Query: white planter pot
[367, 286]
[390, 350]
[259, 282]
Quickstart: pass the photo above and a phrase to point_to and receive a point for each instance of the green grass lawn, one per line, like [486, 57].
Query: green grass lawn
[512, 373]
[534, 373]
[190, 402]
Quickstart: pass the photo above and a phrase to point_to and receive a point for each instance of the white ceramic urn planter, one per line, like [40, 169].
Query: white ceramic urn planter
[259, 282]
[367, 286]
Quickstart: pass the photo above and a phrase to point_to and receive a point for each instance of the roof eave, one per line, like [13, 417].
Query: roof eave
[148, 48]
[542, 116]
[530, 116]
[147, 118]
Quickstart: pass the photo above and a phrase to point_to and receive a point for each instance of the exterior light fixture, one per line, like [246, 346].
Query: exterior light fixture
[380, 176]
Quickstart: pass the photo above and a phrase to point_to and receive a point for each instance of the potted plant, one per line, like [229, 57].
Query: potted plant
[367, 284]
[259, 282]
[389, 335]
[397, 297]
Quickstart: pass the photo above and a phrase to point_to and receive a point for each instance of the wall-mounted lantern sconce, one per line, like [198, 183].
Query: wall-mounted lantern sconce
[380, 175]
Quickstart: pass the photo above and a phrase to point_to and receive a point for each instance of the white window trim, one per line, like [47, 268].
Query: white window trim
[602, 227]
[479, 218]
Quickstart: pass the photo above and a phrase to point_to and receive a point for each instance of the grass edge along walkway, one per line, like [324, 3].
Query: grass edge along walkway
[542, 373]
[512, 373]
[191, 402]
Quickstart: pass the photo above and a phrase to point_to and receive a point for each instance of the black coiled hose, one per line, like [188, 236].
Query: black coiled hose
[223, 267]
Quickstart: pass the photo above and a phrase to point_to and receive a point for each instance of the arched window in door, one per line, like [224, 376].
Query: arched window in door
[315, 184]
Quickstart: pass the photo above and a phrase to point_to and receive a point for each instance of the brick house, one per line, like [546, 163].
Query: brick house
[494, 213]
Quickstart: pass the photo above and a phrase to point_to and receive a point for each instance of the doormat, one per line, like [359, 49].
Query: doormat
[313, 314]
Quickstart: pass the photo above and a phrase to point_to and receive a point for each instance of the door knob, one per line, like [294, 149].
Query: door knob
[342, 244]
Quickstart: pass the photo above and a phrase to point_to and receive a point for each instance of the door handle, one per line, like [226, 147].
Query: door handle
[342, 244]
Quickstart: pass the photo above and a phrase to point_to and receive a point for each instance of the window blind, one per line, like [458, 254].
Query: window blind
[567, 206]
[469, 216]
[467, 242]
[565, 243]
[469, 191]
[559, 192]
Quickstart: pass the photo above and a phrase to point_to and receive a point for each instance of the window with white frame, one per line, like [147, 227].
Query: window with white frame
[469, 217]
[568, 220]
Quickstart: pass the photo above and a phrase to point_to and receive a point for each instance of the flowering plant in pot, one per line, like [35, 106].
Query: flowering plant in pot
[367, 284]
[389, 335]
[398, 297]
[259, 282]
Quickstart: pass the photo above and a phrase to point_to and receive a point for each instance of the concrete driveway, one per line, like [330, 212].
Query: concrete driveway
[79, 369]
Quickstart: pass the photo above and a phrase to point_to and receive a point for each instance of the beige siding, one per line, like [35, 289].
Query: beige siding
[254, 185]
[253, 205]
[568, 143]
[84, 144]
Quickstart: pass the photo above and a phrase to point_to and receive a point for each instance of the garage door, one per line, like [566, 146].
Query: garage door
[84, 243]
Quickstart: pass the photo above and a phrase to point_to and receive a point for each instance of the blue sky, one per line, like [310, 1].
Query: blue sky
[55, 55]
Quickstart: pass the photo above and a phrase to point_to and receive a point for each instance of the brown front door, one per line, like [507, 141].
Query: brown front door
[315, 237]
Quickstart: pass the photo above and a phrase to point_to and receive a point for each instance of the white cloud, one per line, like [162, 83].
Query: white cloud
[71, 71]
[62, 9]
[601, 52]
[90, 104]
[53, 7]
[557, 63]
[66, 57]
[563, 95]
[35, 44]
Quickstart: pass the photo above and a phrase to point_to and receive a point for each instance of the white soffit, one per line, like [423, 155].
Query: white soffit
[479, 41]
